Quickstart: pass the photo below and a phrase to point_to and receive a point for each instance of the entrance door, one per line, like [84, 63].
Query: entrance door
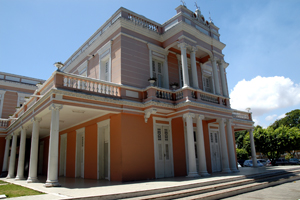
[63, 155]
[215, 151]
[163, 152]
[103, 152]
[80, 153]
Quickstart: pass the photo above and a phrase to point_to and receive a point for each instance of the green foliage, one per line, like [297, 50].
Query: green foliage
[288, 156]
[273, 143]
[292, 119]
[242, 154]
[239, 138]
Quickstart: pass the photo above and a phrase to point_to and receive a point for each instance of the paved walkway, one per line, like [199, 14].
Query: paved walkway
[77, 187]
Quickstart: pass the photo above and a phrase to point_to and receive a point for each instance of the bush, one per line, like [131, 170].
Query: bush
[242, 154]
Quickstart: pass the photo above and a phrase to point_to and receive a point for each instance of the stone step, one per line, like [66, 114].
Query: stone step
[220, 194]
[216, 187]
[210, 184]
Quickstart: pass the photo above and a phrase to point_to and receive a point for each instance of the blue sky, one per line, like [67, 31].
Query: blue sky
[262, 39]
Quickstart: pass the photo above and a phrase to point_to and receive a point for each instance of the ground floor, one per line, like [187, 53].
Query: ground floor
[119, 147]
[80, 188]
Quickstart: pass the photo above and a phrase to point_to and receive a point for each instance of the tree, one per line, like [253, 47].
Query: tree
[242, 154]
[292, 119]
[273, 143]
[239, 138]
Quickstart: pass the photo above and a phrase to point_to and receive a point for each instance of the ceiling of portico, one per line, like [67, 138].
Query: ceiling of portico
[69, 116]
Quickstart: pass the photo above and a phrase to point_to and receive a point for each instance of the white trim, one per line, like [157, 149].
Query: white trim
[79, 132]
[99, 125]
[2, 94]
[155, 143]
[63, 137]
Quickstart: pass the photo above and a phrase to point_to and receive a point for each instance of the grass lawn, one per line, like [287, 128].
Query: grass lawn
[11, 190]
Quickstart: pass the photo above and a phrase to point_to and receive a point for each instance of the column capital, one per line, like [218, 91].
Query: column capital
[194, 49]
[148, 112]
[221, 62]
[36, 119]
[182, 45]
[188, 115]
[221, 120]
[200, 117]
[15, 133]
[213, 59]
[229, 121]
[55, 106]
[8, 137]
[22, 128]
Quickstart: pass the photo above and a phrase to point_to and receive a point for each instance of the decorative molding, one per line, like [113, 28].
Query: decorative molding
[148, 112]
[187, 38]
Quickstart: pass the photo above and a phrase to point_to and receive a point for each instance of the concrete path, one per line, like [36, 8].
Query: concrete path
[77, 187]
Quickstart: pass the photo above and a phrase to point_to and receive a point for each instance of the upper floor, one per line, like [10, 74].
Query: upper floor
[129, 49]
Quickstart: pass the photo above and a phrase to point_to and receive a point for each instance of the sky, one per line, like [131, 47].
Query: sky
[262, 42]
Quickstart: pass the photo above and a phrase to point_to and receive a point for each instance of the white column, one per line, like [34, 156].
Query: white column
[253, 151]
[216, 76]
[166, 73]
[52, 175]
[194, 67]
[232, 160]
[5, 159]
[184, 65]
[12, 160]
[150, 62]
[224, 89]
[225, 164]
[32, 176]
[201, 147]
[20, 172]
[191, 146]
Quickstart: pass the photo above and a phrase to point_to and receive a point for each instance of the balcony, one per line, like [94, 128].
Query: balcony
[75, 83]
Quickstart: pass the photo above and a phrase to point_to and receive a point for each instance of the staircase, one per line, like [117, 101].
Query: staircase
[214, 188]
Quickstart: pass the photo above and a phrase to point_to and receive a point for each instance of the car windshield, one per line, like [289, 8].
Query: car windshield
[250, 161]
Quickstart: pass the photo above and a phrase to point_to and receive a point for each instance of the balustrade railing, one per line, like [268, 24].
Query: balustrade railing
[4, 123]
[209, 98]
[142, 22]
[241, 115]
[90, 85]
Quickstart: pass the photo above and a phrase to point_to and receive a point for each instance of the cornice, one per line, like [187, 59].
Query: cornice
[17, 85]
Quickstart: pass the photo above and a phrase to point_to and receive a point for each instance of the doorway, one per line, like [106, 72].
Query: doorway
[215, 151]
[163, 152]
[103, 150]
[80, 144]
[63, 155]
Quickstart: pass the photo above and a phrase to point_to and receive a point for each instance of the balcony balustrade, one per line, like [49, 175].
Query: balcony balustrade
[76, 83]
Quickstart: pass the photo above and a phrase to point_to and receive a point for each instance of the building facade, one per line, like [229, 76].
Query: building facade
[138, 100]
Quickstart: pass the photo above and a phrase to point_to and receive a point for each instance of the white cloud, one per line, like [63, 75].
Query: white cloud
[271, 117]
[281, 116]
[264, 94]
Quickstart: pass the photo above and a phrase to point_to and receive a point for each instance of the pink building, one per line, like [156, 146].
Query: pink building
[138, 100]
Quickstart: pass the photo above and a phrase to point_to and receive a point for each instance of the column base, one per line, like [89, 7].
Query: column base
[4, 174]
[235, 170]
[10, 176]
[19, 178]
[32, 180]
[226, 171]
[204, 173]
[193, 175]
[52, 184]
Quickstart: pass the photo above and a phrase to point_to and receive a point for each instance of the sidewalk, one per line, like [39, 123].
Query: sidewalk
[77, 187]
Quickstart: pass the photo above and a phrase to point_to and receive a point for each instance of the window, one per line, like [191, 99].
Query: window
[207, 84]
[157, 69]
[104, 70]
[105, 62]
